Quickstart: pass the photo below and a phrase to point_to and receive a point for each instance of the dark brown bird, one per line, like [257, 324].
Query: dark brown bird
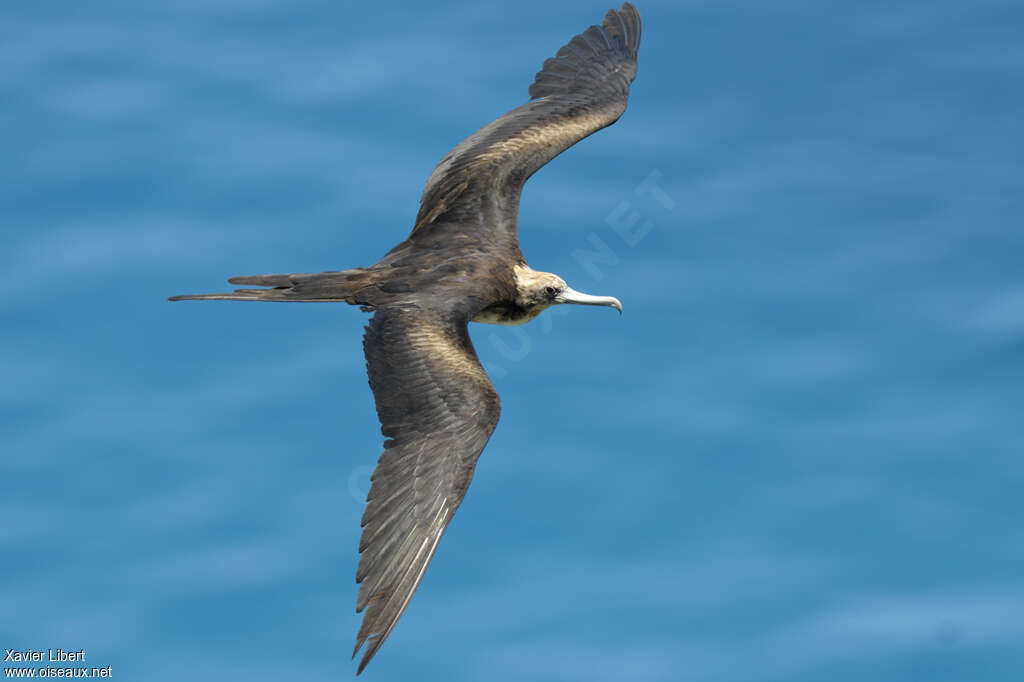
[460, 264]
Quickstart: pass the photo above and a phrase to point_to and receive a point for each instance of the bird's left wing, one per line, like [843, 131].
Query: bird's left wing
[438, 409]
[580, 90]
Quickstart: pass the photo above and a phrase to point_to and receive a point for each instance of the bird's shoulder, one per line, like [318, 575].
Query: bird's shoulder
[437, 273]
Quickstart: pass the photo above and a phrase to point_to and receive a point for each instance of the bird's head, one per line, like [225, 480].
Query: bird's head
[545, 289]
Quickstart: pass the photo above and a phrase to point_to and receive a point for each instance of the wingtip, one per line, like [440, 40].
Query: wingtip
[625, 22]
[368, 653]
[615, 42]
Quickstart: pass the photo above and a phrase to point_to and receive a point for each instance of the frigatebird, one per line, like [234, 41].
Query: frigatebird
[460, 264]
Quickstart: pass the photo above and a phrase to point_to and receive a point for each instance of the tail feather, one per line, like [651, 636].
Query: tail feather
[243, 295]
[264, 280]
[341, 285]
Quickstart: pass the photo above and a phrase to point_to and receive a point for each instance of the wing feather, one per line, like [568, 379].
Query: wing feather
[580, 90]
[437, 409]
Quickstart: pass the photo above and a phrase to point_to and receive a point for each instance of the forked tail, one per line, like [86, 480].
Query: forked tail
[340, 285]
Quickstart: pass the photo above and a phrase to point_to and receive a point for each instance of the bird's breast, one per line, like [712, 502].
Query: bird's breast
[507, 314]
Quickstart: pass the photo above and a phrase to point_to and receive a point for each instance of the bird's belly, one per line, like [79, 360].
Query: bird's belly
[507, 314]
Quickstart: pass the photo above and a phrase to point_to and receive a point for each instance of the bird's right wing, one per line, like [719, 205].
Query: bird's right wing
[438, 409]
[580, 90]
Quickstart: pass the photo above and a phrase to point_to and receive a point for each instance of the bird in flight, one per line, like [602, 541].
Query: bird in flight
[461, 263]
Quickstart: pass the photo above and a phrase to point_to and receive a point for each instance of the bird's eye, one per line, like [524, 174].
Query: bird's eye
[550, 291]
